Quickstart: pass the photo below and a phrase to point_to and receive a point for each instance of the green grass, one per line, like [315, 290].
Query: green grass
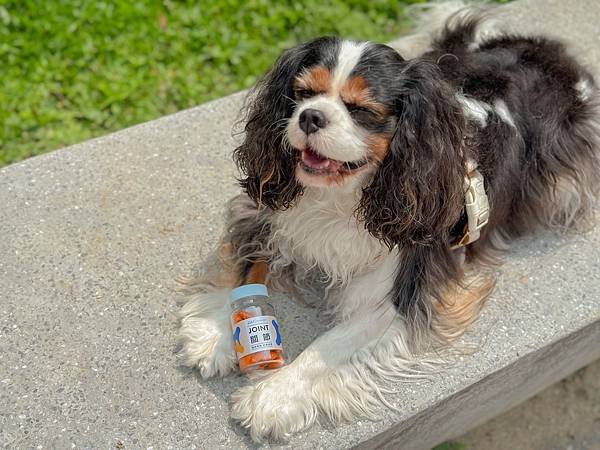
[72, 70]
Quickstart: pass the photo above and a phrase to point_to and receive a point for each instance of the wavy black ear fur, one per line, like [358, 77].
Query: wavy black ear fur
[265, 160]
[417, 196]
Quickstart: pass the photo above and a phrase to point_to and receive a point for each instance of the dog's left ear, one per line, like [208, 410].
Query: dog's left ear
[417, 194]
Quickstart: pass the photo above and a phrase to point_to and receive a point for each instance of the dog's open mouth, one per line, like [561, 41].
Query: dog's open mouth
[316, 164]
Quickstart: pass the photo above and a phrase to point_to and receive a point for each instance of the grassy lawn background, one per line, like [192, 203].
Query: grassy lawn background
[72, 70]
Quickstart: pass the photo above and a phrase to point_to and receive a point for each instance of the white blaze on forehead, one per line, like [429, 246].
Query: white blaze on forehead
[348, 57]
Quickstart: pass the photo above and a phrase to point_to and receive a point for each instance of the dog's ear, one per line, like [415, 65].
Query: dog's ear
[416, 195]
[265, 160]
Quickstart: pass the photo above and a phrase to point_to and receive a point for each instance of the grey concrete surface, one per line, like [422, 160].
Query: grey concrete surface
[93, 236]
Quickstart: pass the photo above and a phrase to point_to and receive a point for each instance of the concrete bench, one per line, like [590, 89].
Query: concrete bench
[93, 236]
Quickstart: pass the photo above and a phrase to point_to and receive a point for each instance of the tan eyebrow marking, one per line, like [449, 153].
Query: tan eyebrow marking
[355, 91]
[317, 79]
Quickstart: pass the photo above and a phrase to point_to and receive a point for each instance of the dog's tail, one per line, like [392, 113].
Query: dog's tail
[452, 26]
[431, 17]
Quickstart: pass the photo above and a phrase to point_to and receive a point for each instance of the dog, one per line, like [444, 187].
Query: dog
[395, 183]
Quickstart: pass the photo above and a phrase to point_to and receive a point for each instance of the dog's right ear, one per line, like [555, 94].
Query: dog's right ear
[266, 161]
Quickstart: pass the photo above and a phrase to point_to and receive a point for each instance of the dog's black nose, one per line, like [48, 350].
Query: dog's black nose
[311, 120]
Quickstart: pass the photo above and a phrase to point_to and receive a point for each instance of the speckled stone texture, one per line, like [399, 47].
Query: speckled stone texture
[93, 237]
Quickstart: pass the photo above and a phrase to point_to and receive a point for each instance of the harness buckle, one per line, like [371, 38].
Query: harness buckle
[477, 208]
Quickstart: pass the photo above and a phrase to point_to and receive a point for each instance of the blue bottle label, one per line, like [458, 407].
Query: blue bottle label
[256, 335]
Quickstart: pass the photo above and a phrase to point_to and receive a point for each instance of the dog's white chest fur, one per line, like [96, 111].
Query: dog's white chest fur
[321, 231]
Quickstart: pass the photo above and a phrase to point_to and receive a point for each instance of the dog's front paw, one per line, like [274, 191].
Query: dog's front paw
[275, 407]
[205, 335]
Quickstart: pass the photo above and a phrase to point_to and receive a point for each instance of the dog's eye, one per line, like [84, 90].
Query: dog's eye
[356, 109]
[302, 94]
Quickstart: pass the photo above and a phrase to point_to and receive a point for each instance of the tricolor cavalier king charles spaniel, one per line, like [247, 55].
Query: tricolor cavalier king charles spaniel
[392, 181]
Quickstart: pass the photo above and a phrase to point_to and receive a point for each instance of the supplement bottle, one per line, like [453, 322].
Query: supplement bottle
[256, 334]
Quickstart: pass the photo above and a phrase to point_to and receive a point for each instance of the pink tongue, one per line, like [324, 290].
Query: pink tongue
[314, 160]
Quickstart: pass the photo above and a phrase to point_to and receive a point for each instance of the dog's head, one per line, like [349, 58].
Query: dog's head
[334, 113]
